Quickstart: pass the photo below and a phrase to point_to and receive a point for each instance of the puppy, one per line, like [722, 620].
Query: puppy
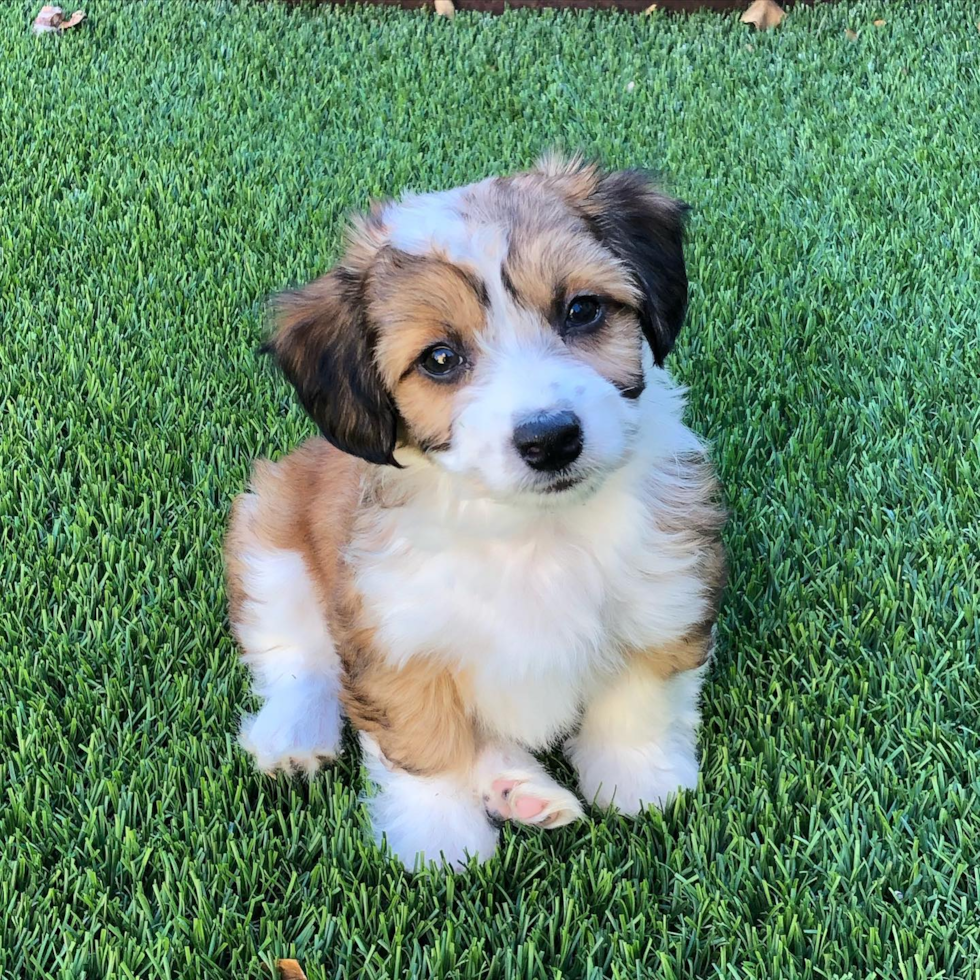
[506, 536]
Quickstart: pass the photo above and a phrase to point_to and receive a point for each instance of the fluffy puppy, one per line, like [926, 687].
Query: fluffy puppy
[506, 536]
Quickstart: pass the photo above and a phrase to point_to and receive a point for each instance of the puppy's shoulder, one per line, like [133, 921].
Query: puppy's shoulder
[303, 503]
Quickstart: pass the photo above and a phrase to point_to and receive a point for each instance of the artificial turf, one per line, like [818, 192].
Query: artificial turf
[167, 166]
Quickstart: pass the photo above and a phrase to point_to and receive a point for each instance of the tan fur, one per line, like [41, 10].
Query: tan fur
[572, 177]
[543, 261]
[415, 713]
[421, 302]
[617, 351]
[686, 654]
[429, 406]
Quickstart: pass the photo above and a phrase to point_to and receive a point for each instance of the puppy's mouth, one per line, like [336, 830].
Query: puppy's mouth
[563, 484]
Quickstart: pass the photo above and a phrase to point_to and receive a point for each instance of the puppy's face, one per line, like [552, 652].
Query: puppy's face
[497, 329]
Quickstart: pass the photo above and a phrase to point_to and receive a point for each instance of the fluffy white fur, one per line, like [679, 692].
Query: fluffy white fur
[445, 819]
[637, 742]
[426, 818]
[536, 602]
[295, 667]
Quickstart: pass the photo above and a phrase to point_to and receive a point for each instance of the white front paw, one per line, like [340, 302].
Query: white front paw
[632, 777]
[290, 736]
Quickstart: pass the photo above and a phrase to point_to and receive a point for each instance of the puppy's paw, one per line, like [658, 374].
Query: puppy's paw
[280, 739]
[631, 778]
[515, 786]
[531, 798]
[425, 818]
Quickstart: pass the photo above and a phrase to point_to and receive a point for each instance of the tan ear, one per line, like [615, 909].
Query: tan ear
[325, 347]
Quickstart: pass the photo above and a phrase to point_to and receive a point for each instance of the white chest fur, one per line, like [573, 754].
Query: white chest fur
[534, 605]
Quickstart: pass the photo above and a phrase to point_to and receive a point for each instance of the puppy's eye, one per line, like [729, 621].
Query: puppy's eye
[440, 361]
[583, 313]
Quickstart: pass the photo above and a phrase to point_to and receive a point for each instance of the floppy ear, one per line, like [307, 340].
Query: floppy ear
[325, 347]
[645, 229]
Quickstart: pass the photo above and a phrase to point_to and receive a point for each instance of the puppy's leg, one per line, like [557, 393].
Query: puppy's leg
[515, 786]
[426, 817]
[419, 751]
[279, 622]
[638, 741]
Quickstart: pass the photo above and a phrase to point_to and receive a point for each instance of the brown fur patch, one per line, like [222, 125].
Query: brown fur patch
[544, 261]
[676, 657]
[572, 177]
[615, 350]
[418, 301]
[414, 712]
[548, 268]
[283, 510]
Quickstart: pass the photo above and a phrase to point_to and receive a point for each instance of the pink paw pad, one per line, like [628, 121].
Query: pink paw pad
[523, 808]
[513, 799]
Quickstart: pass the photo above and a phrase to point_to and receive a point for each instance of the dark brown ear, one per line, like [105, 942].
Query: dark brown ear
[325, 347]
[645, 229]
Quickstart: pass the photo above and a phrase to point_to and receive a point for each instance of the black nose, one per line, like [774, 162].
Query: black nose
[550, 441]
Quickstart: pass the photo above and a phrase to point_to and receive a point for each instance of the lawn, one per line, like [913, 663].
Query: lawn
[166, 166]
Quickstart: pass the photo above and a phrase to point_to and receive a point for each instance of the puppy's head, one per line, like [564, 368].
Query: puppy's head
[496, 330]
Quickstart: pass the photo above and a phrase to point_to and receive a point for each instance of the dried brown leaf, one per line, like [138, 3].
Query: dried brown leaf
[652, 9]
[48, 19]
[851, 35]
[445, 8]
[290, 970]
[73, 21]
[763, 15]
[879, 23]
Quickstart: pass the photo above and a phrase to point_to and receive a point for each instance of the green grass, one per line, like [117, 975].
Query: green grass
[165, 167]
